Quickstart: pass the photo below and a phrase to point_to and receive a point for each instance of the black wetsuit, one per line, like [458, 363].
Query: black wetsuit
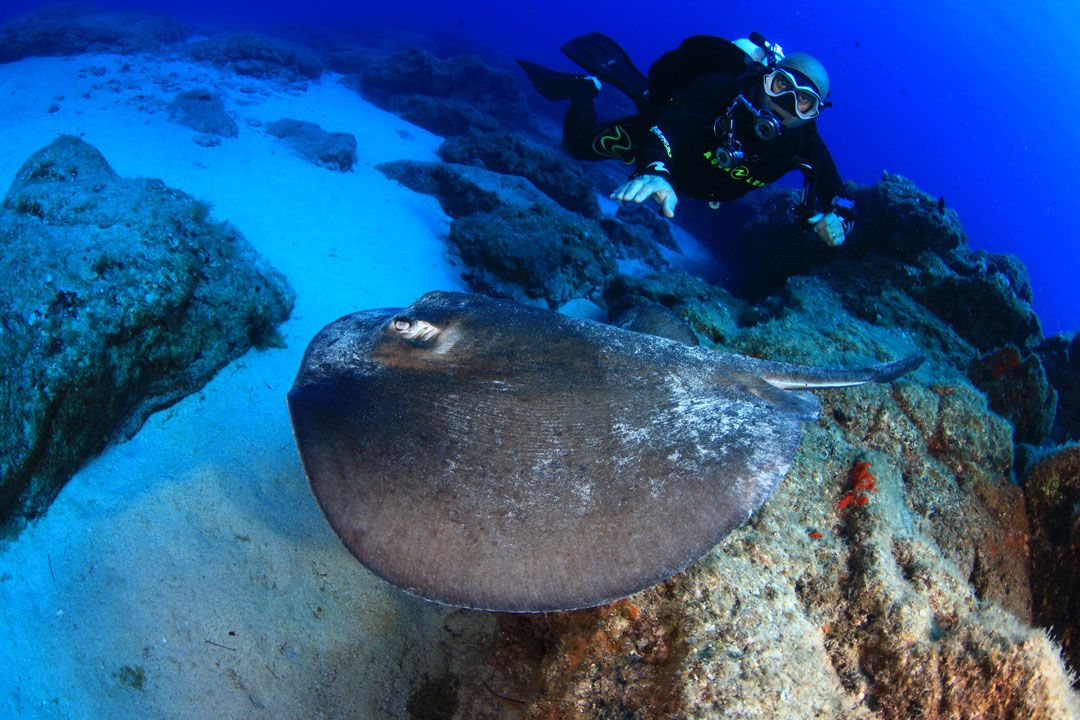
[680, 135]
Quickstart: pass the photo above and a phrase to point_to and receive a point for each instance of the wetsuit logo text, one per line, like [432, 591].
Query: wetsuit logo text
[739, 172]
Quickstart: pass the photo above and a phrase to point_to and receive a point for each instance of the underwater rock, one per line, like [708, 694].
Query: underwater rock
[644, 222]
[510, 154]
[462, 189]
[446, 96]
[1061, 358]
[707, 309]
[260, 57]
[986, 298]
[443, 116]
[632, 240]
[532, 253]
[77, 29]
[121, 298]
[640, 314]
[902, 237]
[897, 219]
[1015, 384]
[349, 58]
[1052, 489]
[516, 242]
[203, 111]
[334, 150]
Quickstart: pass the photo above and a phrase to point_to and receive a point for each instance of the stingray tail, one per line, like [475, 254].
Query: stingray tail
[801, 377]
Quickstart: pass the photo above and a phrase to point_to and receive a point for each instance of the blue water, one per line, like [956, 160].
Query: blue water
[975, 104]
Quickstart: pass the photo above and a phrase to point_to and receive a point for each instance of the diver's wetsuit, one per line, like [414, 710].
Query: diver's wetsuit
[680, 135]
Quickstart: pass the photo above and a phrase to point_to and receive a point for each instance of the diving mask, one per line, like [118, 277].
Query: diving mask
[782, 86]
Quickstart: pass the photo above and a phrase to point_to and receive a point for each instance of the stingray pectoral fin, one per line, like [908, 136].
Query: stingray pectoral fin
[797, 377]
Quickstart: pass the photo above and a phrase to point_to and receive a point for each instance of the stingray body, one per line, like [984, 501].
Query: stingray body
[491, 455]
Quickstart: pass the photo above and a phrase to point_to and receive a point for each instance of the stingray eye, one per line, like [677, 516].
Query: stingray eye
[415, 332]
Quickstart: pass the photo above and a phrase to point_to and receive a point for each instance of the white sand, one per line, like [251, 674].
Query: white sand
[195, 553]
[193, 560]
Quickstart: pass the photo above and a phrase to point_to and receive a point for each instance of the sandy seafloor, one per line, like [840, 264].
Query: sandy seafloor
[188, 573]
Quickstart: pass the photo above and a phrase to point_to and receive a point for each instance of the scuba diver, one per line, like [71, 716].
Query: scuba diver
[716, 119]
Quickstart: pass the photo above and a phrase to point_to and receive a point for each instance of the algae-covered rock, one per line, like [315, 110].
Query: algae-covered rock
[901, 234]
[1052, 490]
[74, 29]
[1060, 356]
[203, 111]
[983, 301]
[333, 150]
[259, 56]
[710, 311]
[1015, 384]
[637, 313]
[120, 298]
[512, 240]
[446, 96]
[546, 254]
[512, 155]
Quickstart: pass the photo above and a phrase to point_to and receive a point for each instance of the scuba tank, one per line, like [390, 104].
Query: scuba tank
[704, 54]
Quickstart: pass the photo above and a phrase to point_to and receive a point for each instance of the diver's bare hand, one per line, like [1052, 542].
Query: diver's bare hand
[643, 187]
[829, 228]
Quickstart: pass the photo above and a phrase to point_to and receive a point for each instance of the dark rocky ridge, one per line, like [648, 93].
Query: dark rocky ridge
[453, 96]
[259, 56]
[74, 29]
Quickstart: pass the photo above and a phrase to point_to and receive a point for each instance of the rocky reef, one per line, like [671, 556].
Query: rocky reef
[73, 29]
[121, 297]
[903, 565]
[258, 56]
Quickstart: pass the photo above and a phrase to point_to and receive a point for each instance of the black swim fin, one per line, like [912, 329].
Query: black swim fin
[555, 85]
[601, 56]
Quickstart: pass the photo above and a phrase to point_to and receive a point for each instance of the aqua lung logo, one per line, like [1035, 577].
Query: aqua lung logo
[615, 143]
[739, 172]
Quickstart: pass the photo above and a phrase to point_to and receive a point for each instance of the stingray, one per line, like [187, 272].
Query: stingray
[491, 455]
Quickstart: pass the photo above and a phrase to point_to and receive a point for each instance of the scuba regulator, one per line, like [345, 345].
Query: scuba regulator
[767, 125]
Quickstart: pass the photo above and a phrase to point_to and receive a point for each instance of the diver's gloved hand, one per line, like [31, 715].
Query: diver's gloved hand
[643, 187]
[829, 228]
